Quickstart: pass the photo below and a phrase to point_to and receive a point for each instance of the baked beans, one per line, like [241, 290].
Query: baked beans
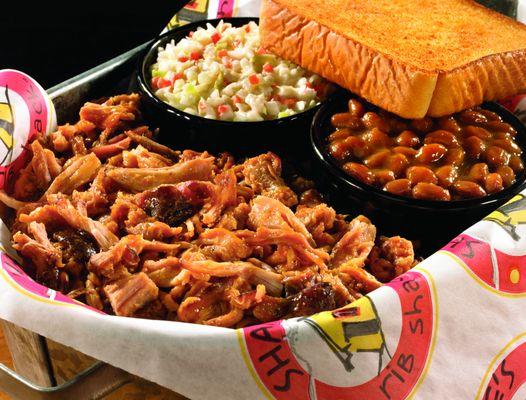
[466, 155]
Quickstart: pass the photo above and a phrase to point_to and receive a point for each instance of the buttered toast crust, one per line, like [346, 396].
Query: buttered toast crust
[410, 57]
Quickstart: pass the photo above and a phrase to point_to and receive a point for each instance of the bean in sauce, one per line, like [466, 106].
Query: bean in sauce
[469, 154]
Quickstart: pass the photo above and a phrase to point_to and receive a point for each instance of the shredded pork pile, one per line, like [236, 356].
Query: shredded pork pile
[114, 219]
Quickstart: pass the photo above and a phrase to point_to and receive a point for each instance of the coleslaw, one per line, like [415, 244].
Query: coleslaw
[223, 73]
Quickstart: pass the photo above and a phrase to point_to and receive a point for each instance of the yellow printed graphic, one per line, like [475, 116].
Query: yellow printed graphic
[197, 6]
[351, 329]
[515, 276]
[5, 112]
[510, 215]
[6, 138]
[7, 127]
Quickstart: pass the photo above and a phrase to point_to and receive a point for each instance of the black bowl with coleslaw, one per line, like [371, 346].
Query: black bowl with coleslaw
[178, 128]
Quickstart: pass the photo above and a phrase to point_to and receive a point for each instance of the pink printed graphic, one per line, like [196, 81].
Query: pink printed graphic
[512, 272]
[16, 83]
[476, 254]
[282, 372]
[21, 279]
[511, 102]
[501, 271]
[508, 377]
[225, 8]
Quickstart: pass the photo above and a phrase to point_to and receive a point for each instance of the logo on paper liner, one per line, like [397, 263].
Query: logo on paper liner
[503, 272]
[368, 349]
[25, 111]
[510, 216]
[7, 128]
[505, 378]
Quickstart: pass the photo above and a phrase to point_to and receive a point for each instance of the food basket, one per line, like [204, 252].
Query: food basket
[49, 370]
[416, 336]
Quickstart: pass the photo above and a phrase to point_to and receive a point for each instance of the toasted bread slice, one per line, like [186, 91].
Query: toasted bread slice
[410, 57]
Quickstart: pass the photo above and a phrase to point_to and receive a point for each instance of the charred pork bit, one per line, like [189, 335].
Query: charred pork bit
[354, 247]
[313, 299]
[223, 245]
[271, 308]
[263, 174]
[166, 204]
[382, 269]
[77, 246]
[343, 295]
[129, 294]
[75, 219]
[270, 213]
[77, 174]
[140, 179]
[61, 209]
[152, 145]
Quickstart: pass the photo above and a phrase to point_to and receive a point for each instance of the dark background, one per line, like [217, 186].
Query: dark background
[52, 44]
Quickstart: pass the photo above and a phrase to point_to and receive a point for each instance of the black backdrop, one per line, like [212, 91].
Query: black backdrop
[52, 44]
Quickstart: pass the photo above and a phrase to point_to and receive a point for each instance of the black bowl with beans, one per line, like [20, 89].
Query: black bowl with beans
[440, 173]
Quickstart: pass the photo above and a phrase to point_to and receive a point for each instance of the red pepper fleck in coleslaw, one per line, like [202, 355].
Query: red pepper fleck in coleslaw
[223, 73]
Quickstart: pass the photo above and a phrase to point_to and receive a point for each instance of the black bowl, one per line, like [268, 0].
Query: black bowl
[180, 129]
[434, 222]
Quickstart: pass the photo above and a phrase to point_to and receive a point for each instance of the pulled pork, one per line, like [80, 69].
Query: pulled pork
[129, 226]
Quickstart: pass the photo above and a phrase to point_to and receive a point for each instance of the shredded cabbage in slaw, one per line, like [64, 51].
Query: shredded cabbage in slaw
[223, 73]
